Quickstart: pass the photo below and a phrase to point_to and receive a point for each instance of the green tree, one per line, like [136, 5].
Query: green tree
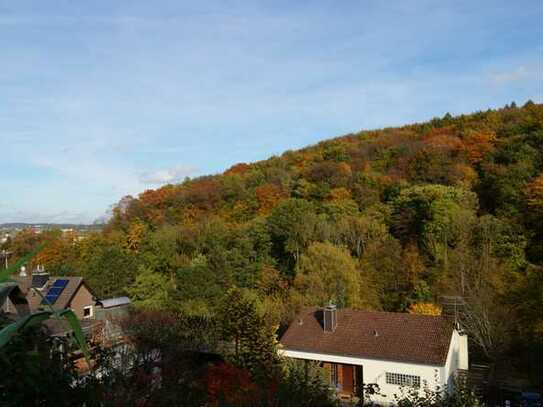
[292, 226]
[329, 273]
[151, 290]
[433, 215]
[243, 323]
[161, 251]
[357, 232]
[198, 290]
[105, 265]
[383, 260]
[505, 174]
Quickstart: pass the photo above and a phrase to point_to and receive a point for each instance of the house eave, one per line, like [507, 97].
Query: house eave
[346, 359]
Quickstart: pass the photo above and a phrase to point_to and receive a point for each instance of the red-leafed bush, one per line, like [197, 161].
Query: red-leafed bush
[225, 382]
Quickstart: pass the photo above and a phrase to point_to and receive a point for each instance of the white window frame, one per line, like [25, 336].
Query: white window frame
[334, 375]
[91, 314]
[404, 380]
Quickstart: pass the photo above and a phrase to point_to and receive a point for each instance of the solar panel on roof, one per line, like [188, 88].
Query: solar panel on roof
[50, 299]
[54, 291]
[60, 283]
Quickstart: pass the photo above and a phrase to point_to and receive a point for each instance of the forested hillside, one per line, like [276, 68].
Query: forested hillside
[390, 219]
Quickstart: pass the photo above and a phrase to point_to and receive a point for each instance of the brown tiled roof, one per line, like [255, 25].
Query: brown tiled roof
[63, 299]
[390, 336]
[61, 327]
[24, 282]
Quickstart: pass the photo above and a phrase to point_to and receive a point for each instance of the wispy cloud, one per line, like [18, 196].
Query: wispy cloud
[103, 99]
[520, 73]
[168, 176]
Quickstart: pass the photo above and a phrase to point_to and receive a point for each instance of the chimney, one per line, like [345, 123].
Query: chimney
[330, 318]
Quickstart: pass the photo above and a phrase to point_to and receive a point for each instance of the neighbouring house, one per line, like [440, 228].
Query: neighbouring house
[37, 291]
[389, 350]
[13, 302]
[61, 293]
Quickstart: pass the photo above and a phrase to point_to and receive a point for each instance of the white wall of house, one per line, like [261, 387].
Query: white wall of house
[374, 371]
[457, 358]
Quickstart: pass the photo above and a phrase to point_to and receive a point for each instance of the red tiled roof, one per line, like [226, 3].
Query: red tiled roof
[391, 336]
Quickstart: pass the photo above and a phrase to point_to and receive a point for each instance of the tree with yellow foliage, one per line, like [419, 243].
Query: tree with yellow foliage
[534, 193]
[424, 308]
[135, 236]
[329, 273]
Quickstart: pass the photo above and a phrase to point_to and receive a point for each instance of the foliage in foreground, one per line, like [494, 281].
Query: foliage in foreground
[34, 372]
[168, 359]
[463, 396]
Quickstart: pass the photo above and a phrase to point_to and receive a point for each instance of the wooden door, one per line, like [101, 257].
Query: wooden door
[348, 379]
[359, 377]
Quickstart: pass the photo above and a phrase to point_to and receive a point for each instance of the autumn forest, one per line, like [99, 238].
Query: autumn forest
[392, 219]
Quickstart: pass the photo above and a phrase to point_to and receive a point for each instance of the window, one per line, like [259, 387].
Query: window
[334, 378]
[403, 379]
[87, 312]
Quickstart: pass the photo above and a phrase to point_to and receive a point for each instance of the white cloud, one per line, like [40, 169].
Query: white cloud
[518, 74]
[511, 76]
[168, 175]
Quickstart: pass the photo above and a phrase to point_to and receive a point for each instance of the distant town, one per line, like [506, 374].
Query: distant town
[11, 229]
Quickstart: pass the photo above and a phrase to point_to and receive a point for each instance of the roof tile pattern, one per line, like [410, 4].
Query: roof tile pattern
[401, 337]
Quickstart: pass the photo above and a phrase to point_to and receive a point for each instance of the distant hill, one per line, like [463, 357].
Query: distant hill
[498, 154]
[48, 226]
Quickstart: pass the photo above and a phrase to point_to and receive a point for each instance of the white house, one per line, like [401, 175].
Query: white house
[386, 349]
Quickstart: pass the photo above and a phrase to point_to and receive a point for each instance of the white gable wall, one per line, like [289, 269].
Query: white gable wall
[457, 358]
[374, 372]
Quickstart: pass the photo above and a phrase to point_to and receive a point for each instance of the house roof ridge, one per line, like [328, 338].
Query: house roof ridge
[414, 338]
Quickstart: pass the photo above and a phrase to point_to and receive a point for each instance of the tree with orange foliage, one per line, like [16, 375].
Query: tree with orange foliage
[157, 197]
[152, 204]
[424, 308]
[268, 196]
[238, 169]
[444, 139]
[57, 254]
[478, 144]
[202, 193]
[534, 193]
[339, 194]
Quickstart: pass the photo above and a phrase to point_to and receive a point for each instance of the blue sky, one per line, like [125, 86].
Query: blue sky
[101, 98]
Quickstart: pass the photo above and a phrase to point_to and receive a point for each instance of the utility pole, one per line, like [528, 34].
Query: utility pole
[5, 254]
